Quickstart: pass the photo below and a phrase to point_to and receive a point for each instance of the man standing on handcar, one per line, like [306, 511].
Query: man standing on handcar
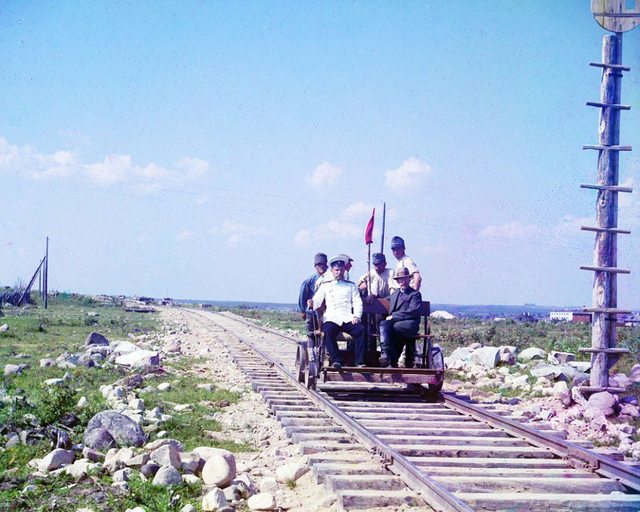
[308, 288]
[403, 320]
[343, 312]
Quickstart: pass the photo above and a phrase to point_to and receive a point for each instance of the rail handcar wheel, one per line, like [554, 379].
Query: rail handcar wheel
[436, 362]
[302, 361]
[311, 375]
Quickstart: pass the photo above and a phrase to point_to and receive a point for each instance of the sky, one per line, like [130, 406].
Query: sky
[207, 150]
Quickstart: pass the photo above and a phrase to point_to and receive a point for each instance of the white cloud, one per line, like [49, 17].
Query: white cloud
[410, 176]
[568, 227]
[303, 239]
[195, 167]
[324, 176]
[184, 236]
[513, 229]
[349, 225]
[358, 211]
[113, 169]
[238, 232]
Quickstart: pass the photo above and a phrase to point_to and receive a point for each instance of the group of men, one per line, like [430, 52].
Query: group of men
[330, 298]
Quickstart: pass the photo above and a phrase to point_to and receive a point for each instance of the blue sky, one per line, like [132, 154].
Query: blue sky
[207, 150]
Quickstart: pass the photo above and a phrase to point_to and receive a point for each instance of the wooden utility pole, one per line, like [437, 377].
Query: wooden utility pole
[45, 287]
[612, 15]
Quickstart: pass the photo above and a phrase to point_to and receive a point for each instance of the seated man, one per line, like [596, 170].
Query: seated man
[343, 312]
[403, 321]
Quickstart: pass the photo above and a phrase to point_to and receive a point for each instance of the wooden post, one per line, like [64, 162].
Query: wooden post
[46, 276]
[605, 292]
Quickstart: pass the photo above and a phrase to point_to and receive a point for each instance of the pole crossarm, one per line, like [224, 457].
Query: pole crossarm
[611, 270]
[610, 311]
[606, 230]
[619, 67]
[608, 148]
[608, 105]
[612, 188]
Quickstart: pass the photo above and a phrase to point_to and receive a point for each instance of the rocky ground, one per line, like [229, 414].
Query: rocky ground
[539, 388]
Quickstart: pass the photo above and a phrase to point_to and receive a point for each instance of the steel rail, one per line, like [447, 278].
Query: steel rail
[576, 455]
[415, 478]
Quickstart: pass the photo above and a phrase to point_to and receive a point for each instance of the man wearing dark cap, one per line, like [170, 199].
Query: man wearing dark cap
[343, 312]
[403, 320]
[404, 261]
[308, 288]
[379, 282]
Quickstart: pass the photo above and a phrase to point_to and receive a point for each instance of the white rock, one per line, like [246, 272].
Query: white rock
[262, 501]
[191, 479]
[268, 484]
[165, 386]
[167, 475]
[55, 459]
[217, 471]
[136, 404]
[190, 461]
[214, 500]
[53, 382]
[122, 475]
[139, 358]
[531, 353]
[167, 455]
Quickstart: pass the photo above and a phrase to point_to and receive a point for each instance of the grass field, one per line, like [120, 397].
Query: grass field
[27, 406]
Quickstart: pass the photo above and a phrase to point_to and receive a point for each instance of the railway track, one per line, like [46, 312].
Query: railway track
[385, 445]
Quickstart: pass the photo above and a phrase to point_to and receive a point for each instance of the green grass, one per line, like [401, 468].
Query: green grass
[192, 426]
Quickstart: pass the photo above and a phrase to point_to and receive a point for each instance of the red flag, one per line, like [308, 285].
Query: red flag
[368, 233]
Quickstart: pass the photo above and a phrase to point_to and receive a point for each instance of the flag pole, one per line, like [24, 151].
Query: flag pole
[384, 211]
[369, 270]
[368, 239]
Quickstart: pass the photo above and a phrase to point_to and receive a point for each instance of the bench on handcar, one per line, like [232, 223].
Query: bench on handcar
[428, 364]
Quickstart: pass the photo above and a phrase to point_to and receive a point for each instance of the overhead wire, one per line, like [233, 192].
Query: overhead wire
[421, 220]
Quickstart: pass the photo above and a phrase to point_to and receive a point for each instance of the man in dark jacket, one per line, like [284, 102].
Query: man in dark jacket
[308, 288]
[403, 320]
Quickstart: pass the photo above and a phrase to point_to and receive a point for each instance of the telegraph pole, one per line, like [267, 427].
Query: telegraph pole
[615, 17]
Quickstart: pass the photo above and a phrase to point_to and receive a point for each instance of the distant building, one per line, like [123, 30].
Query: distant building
[442, 314]
[526, 317]
[570, 316]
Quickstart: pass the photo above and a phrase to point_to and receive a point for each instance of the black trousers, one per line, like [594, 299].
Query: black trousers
[356, 331]
[393, 338]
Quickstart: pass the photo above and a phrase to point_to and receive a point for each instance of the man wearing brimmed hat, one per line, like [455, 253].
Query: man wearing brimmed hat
[404, 261]
[379, 282]
[309, 287]
[343, 312]
[403, 320]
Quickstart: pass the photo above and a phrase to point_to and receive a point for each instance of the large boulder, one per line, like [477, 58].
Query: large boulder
[99, 439]
[531, 353]
[95, 339]
[122, 428]
[218, 472]
[139, 358]
[489, 357]
[603, 401]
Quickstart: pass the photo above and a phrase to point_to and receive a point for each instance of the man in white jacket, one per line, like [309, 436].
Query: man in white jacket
[343, 312]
